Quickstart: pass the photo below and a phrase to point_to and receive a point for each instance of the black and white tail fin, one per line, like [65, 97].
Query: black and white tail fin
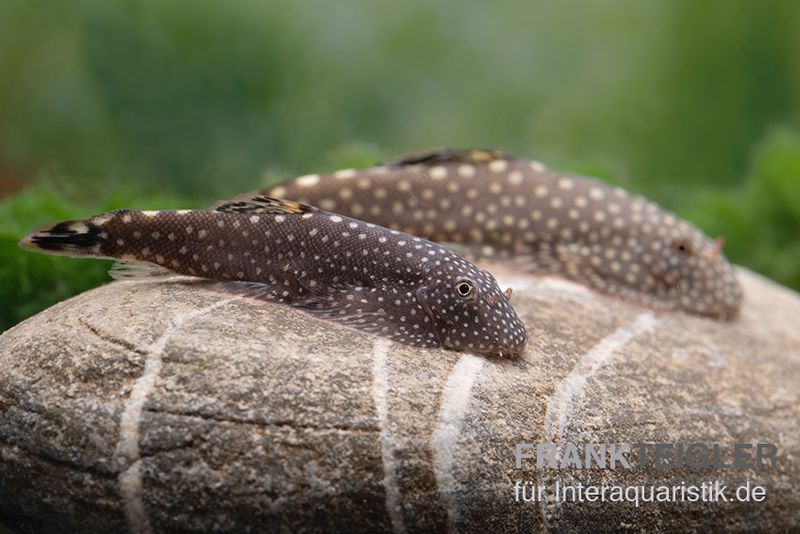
[81, 237]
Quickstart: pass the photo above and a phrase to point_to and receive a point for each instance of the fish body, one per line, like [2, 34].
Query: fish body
[369, 277]
[502, 207]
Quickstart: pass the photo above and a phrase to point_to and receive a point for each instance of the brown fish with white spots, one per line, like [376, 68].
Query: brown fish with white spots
[502, 207]
[368, 277]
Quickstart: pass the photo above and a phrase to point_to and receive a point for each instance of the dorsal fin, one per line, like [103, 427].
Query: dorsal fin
[258, 203]
[448, 155]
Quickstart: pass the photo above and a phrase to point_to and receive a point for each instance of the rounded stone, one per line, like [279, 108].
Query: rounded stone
[177, 405]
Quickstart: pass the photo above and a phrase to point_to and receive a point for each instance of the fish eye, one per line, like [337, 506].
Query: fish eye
[682, 247]
[464, 289]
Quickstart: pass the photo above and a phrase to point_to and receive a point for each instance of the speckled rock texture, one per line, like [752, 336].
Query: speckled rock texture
[184, 406]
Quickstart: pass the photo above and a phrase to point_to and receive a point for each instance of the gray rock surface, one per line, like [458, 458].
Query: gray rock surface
[179, 406]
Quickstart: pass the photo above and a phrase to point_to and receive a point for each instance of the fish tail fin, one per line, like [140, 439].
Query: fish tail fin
[79, 237]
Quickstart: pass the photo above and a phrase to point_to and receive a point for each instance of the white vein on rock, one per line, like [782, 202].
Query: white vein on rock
[453, 409]
[127, 449]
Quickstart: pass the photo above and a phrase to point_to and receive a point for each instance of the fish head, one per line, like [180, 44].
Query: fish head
[689, 270]
[470, 312]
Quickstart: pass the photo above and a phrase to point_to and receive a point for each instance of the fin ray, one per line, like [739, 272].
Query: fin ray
[447, 155]
[136, 270]
[259, 203]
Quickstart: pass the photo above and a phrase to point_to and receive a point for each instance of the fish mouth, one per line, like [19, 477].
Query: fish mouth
[728, 312]
[500, 352]
[504, 350]
[724, 310]
[509, 352]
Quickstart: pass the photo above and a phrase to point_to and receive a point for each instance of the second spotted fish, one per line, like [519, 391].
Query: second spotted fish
[366, 276]
[500, 207]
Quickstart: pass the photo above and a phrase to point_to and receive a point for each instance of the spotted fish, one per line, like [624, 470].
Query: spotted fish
[360, 274]
[502, 207]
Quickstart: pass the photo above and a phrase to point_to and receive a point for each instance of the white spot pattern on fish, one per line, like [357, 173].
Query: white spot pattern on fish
[331, 266]
[544, 222]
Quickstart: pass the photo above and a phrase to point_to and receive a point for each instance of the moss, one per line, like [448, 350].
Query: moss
[32, 282]
[676, 100]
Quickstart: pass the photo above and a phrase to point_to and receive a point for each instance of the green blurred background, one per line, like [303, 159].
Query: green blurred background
[158, 104]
